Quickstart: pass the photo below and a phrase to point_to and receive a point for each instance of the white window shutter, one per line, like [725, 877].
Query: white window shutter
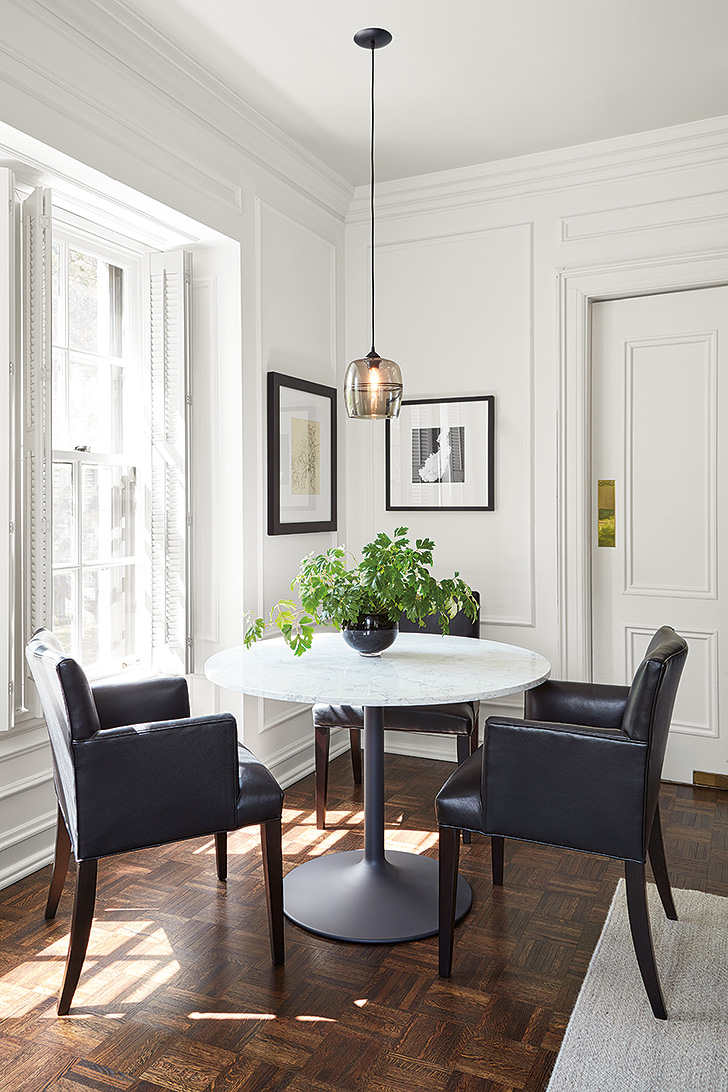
[8, 460]
[36, 435]
[169, 517]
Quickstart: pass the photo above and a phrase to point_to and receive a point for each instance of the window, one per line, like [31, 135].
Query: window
[97, 439]
[94, 330]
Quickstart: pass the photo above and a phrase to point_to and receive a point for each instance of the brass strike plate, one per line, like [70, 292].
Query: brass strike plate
[606, 515]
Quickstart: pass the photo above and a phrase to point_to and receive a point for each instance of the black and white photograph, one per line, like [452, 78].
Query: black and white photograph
[440, 455]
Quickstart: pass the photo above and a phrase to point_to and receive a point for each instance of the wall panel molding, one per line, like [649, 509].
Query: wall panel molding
[25, 784]
[23, 831]
[523, 616]
[20, 743]
[705, 208]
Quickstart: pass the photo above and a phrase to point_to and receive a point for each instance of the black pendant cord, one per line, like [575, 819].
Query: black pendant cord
[371, 199]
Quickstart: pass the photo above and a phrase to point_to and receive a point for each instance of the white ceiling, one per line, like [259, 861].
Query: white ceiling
[462, 83]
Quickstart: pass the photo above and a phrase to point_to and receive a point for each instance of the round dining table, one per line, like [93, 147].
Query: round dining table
[373, 896]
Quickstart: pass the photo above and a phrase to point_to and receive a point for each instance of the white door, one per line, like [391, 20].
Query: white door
[660, 434]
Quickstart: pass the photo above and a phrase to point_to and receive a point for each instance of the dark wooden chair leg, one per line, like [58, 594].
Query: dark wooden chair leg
[271, 845]
[321, 764]
[83, 914]
[464, 751]
[497, 846]
[639, 921]
[221, 854]
[656, 850]
[448, 878]
[355, 748]
[60, 866]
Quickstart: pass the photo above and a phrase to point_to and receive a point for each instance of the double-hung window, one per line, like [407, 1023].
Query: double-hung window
[98, 454]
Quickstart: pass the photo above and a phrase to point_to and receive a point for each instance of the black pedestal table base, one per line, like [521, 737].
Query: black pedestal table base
[345, 897]
[369, 897]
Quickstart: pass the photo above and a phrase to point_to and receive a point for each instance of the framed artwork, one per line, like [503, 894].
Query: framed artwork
[301, 456]
[440, 455]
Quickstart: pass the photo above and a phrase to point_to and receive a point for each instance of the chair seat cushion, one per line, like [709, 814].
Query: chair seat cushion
[260, 797]
[459, 803]
[457, 719]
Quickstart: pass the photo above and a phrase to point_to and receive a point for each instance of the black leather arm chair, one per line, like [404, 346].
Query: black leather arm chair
[581, 771]
[457, 719]
[132, 769]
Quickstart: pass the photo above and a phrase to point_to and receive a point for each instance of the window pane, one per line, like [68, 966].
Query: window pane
[94, 405]
[64, 598]
[108, 608]
[95, 304]
[63, 514]
[107, 516]
[60, 404]
[83, 302]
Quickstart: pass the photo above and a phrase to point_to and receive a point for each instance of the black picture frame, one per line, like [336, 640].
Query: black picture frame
[424, 476]
[302, 489]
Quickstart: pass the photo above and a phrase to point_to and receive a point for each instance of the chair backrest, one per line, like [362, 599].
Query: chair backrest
[460, 624]
[651, 700]
[69, 711]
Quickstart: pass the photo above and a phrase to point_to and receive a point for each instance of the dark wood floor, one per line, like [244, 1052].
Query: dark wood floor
[178, 991]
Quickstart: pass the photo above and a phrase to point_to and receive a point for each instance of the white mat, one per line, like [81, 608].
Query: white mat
[614, 1044]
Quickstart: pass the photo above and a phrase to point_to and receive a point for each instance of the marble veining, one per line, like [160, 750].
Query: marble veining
[419, 669]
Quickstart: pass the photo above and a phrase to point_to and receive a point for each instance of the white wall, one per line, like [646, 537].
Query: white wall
[474, 296]
[95, 82]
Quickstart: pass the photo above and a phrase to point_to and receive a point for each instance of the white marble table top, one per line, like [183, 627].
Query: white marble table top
[418, 669]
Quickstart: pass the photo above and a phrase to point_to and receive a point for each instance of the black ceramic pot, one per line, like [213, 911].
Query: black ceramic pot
[371, 634]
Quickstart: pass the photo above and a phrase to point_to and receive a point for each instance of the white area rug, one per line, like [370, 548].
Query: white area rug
[614, 1044]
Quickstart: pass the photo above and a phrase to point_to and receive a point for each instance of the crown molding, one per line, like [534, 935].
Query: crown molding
[140, 57]
[695, 144]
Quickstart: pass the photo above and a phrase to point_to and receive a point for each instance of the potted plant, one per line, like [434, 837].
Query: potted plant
[365, 601]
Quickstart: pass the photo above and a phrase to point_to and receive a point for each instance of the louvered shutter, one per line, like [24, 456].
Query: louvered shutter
[36, 426]
[169, 517]
[8, 461]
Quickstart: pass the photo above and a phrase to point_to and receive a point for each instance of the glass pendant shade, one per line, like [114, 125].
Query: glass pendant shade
[372, 385]
[373, 388]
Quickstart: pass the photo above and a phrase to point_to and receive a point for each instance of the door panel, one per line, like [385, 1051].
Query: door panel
[658, 404]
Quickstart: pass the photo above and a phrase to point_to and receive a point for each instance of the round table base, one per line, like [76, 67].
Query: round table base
[342, 896]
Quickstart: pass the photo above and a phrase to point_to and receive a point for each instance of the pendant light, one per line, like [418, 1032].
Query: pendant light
[372, 385]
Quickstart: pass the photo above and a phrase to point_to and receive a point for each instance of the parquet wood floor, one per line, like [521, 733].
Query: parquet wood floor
[178, 991]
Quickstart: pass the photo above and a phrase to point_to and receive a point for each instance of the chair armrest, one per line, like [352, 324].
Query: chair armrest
[144, 700]
[577, 786]
[148, 784]
[594, 704]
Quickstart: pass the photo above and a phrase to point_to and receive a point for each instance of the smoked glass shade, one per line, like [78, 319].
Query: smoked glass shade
[373, 388]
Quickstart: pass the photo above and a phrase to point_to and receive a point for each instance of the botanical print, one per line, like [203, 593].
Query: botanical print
[305, 457]
[438, 454]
